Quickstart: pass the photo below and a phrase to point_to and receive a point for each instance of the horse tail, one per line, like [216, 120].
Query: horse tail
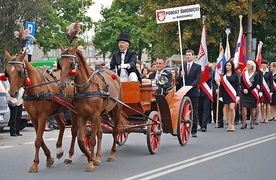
[123, 122]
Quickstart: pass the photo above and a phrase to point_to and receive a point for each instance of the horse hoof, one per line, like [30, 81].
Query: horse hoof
[50, 162]
[67, 161]
[33, 169]
[59, 155]
[97, 162]
[89, 168]
[110, 159]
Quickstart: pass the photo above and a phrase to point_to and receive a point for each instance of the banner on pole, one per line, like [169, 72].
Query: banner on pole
[178, 13]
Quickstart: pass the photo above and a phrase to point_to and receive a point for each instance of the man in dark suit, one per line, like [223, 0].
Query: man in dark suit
[125, 60]
[161, 71]
[192, 75]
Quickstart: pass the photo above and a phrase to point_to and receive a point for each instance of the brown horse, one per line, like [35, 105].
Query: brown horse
[96, 95]
[39, 104]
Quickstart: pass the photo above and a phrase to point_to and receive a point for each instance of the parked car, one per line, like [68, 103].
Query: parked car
[4, 108]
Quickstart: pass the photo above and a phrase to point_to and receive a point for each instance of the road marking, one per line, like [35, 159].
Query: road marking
[199, 159]
[27, 143]
[5, 147]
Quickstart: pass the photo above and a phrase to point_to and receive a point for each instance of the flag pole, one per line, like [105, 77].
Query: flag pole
[227, 49]
[217, 105]
[181, 56]
[218, 84]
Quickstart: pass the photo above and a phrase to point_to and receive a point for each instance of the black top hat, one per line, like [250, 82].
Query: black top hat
[124, 37]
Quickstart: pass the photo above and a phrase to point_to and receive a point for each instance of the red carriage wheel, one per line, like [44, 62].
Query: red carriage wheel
[154, 132]
[121, 138]
[185, 121]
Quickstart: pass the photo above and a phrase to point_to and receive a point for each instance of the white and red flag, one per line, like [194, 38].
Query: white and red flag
[202, 59]
[240, 58]
[259, 57]
[221, 60]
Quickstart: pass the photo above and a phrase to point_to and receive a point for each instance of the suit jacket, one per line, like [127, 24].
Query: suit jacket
[192, 79]
[130, 58]
[165, 86]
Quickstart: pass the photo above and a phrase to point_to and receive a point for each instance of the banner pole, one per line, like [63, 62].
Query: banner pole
[217, 110]
[181, 57]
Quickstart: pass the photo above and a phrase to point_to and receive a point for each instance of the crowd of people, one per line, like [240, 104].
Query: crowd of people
[237, 97]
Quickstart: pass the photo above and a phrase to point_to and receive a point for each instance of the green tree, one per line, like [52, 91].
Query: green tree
[162, 39]
[51, 18]
[264, 28]
[123, 16]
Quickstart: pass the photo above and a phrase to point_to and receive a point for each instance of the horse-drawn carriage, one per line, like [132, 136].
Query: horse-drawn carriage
[99, 98]
[152, 114]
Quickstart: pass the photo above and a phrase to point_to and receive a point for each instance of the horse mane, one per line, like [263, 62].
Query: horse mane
[30, 69]
[83, 60]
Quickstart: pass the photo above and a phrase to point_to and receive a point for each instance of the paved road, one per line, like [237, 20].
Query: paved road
[215, 154]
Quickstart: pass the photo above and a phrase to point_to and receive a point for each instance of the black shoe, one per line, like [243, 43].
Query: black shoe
[13, 134]
[220, 126]
[194, 135]
[203, 129]
[18, 134]
[244, 127]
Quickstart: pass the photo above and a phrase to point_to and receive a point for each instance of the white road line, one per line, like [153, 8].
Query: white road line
[199, 159]
[27, 143]
[5, 147]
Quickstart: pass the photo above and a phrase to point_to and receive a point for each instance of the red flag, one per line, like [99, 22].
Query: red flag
[259, 57]
[240, 58]
[202, 59]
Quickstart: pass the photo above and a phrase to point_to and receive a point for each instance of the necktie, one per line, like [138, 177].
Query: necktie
[188, 69]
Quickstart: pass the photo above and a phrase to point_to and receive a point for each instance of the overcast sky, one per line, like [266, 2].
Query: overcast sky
[94, 10]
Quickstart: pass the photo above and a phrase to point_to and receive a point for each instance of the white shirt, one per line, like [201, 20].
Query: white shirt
[158, 74]
[123, 54]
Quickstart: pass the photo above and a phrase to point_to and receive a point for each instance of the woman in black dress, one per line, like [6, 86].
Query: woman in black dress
[249, 94]
[273, 102]
[229, 91]
[266, 87]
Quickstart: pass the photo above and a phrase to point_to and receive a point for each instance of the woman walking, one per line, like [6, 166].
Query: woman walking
[266, 93]
[249, 93]
[229, 91]
[273, 102]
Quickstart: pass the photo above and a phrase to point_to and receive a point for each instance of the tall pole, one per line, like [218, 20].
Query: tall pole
[181, 54]
[249, 31]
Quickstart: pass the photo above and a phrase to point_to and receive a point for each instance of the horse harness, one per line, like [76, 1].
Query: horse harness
[99, 93]
[84, 93]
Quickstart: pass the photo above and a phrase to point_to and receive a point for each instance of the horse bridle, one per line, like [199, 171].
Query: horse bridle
[23, 71]
[74, 64]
